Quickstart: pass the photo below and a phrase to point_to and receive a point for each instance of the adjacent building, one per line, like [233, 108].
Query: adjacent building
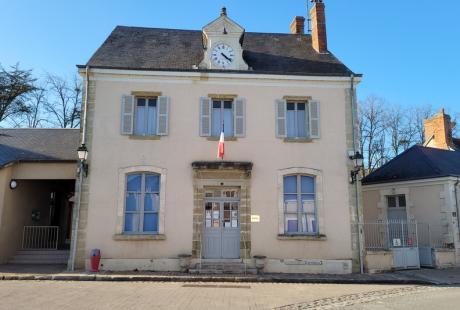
[411, 204]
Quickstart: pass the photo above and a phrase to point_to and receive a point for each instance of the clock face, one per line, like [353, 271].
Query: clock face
[223, 55]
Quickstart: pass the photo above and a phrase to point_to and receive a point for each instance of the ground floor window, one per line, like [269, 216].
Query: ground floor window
[142, 203]
[299, 196]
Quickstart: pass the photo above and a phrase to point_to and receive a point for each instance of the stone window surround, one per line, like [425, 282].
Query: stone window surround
[122, 173]
[318, 174]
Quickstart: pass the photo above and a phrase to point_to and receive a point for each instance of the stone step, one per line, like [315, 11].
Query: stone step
[223, 268]
[40, 257]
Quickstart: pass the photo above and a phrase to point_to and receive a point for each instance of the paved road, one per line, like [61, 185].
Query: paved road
[137, 295]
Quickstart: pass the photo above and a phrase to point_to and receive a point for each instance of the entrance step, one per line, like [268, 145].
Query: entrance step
[222, 267]
[41, 257]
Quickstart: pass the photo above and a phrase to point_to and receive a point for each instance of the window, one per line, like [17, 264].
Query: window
[397, 201]
[145, 117]
[228, 115]
[299, 197]
[296, 120]
[142, 203]
[222, 118]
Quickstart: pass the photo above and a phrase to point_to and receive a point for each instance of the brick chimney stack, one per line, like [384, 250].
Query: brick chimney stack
[438, 131]
[298, 25]
[318, 24]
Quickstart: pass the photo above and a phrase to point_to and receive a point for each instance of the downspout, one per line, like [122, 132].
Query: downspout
[360, 238]
[456, 202]
[76, 211]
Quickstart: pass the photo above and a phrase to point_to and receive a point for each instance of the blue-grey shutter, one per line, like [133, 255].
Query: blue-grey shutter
[162, 116]
[239, 117]
[205, 116]
[280, 122]
[127, 115]
[314, 113]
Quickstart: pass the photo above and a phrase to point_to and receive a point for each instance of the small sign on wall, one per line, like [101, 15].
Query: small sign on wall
[255, 218]
[397, 242]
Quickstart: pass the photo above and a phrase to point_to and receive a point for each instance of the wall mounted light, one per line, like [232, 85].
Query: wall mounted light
[357, 159]
[82, 152]
[13, 184]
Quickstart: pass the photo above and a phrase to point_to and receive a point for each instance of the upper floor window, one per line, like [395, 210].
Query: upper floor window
[142, 203]
[222, 118]
[297, 119]
[227, 115]
[299, 197]
[145, 117]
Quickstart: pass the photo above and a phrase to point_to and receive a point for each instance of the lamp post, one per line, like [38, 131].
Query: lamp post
[82, 152]
[357, 159]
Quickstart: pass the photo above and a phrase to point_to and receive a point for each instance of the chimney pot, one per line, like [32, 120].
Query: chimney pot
[318, 23]
[298, 25]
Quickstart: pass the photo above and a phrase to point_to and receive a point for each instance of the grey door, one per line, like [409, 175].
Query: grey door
[221, 236]
[402, 234]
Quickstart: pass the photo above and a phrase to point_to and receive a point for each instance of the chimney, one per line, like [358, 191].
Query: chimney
[318, 24]
[438, 131]
[298, 25]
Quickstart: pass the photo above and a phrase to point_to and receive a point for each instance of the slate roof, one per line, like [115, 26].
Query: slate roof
[417, 163]
[136, 48]
[456, 142]
[42, 145]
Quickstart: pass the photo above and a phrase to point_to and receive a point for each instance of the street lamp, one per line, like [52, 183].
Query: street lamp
[82, 152]
[357, 159]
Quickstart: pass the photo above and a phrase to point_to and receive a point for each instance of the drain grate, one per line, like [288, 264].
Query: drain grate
[216, 286]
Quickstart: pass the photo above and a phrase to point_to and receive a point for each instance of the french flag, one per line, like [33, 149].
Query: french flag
[220, 147]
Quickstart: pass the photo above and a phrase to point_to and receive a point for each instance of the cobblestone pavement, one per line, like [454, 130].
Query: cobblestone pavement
[175, 295]
[372, 299]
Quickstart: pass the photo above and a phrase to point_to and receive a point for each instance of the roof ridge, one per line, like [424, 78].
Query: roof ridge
[199, 30]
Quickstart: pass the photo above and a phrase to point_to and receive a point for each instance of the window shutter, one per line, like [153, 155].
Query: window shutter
[280, 123]
[205, 116]
[127, 115]
[239, 117]
[313, 109]
[162, 116]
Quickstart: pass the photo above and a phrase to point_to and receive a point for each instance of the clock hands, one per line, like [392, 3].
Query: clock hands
[226, 57]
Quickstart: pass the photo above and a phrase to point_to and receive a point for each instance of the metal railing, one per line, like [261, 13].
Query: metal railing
[435, 236]
[40, 237]
[385, 235]
[389, 234]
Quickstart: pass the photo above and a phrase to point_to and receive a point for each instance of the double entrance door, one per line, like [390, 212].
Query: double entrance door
[221, 235]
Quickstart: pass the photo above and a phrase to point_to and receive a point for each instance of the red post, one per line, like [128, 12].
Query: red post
[95, 259]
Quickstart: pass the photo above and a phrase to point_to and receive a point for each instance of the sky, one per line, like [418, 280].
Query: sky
[408, 51]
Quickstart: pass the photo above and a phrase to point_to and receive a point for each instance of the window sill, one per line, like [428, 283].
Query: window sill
[126, 237]
[298, 140]
[303, 237]
[226, 139]
[134, 137]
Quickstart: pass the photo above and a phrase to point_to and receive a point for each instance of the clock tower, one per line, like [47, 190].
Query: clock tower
[222, 40]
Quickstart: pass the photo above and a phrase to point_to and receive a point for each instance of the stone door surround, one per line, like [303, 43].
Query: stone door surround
[221, 174]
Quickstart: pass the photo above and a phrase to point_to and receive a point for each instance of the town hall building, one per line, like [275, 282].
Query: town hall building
[154, 196]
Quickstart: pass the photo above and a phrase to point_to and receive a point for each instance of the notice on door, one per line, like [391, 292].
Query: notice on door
[255, 218]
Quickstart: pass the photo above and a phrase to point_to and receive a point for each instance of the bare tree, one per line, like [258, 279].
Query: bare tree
[35, 103]
[418, 115]
[372, 120]
[64, 102]
[14, 85]
[400, 130]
